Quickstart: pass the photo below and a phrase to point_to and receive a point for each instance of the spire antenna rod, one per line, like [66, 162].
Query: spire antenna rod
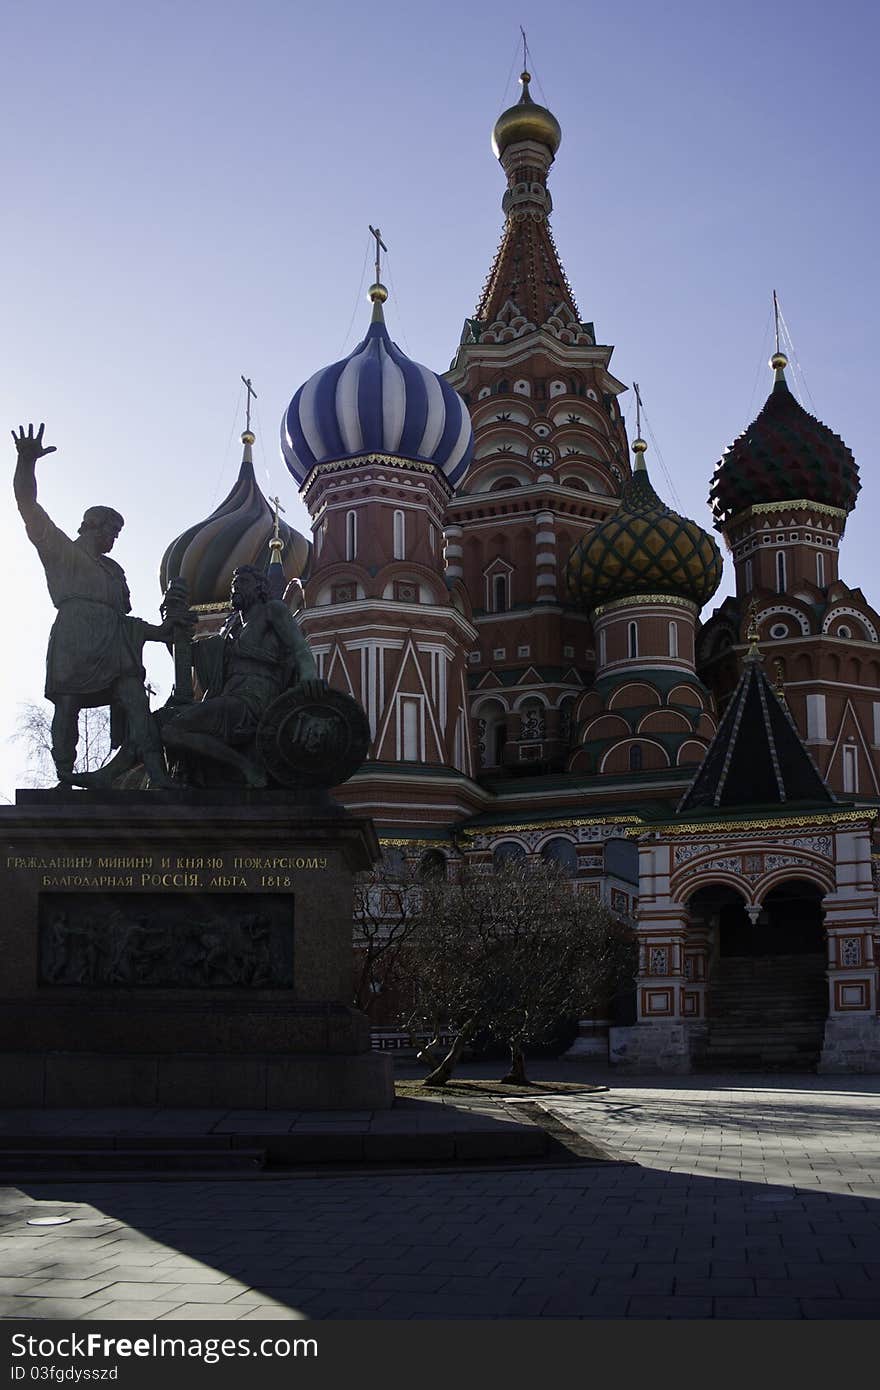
[380, 247]
[776, 318]
[250, 392]
[525, 49]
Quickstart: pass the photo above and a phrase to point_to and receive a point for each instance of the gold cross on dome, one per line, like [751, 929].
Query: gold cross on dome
[250, 392]
[276, 502]
[374, 231]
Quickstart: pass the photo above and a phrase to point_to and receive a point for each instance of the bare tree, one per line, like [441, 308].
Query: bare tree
[387, 910]
[511, 953]
[33, 730]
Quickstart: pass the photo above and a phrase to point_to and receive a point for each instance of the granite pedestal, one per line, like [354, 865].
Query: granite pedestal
[183, 949]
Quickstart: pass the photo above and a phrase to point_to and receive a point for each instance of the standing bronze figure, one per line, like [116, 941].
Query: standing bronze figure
[95, 646]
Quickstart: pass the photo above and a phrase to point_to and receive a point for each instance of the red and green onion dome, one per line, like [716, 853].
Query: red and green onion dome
[644, 548]
[785, 455]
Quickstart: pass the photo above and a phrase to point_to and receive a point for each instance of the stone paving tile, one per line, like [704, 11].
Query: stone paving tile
[715, 1288]
[762, 1308]
[841, 1308]
[199, 1312]
[54, 1308]
[125, 1310]
[271, 1312]
[644, 1306]
[69, 1288]
[579, 1305]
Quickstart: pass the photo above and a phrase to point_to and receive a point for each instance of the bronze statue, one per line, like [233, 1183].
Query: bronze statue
[259, 653]
[95, 646]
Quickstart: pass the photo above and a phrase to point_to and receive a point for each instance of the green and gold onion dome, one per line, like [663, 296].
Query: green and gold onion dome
[243, 530]
[644, 548]
[785, 455]
[526, 120]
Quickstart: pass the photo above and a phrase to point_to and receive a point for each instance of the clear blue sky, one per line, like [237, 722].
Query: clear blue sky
[188, 186]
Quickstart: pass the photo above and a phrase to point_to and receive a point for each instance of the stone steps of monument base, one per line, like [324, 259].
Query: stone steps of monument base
[44, 1155]
[68, 1159]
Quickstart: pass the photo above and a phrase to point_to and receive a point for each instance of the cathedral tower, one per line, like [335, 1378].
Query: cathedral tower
[377, 442]
[643, 576]
[549, 461]
[781, 495]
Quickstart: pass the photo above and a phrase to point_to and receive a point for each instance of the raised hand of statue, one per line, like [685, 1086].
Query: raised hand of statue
[30, 446]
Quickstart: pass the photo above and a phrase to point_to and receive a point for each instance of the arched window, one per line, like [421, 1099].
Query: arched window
[506, 853]
[633, 638]
[399, 536]
[499, 593]
[562, 852]
[750, 576]
[780, 572]
[603, 647]
[673, 639]
[351, 535]
[432, 864]
[635, 758]
[820, 570]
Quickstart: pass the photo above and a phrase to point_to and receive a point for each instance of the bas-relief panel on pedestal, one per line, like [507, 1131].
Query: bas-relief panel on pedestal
[143, 940]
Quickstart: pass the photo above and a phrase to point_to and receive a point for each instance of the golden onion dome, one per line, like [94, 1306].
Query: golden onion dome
[644, 548]
[526, 121]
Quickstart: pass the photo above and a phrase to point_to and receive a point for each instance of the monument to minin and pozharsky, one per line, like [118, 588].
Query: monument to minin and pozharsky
[178, 924]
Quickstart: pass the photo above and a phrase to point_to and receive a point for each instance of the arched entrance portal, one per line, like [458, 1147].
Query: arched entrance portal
[768, 994]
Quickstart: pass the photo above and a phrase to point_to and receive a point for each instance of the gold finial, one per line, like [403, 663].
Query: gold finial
[377, 292]
[753, 633]
[778, 361]
[779, 683]
[534, 123]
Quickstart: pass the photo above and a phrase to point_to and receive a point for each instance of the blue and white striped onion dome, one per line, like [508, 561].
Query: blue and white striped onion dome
[377, 401]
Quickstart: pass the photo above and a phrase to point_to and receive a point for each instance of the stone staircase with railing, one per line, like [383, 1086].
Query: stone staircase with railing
[767, 1013]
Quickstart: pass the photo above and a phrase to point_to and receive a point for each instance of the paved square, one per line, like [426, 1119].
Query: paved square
[751, 1197]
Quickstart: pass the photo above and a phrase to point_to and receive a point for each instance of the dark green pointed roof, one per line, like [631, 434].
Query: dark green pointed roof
[757, 756]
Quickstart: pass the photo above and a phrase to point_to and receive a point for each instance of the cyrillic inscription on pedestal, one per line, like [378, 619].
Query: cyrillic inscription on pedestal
[163, 940]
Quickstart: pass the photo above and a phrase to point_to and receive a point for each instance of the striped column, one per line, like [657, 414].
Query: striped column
[454, 552]
[545, 558]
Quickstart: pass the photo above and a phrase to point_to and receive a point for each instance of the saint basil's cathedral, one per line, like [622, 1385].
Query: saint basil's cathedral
[519, 613]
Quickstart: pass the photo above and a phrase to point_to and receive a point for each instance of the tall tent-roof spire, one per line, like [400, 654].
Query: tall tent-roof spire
[527, 288]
